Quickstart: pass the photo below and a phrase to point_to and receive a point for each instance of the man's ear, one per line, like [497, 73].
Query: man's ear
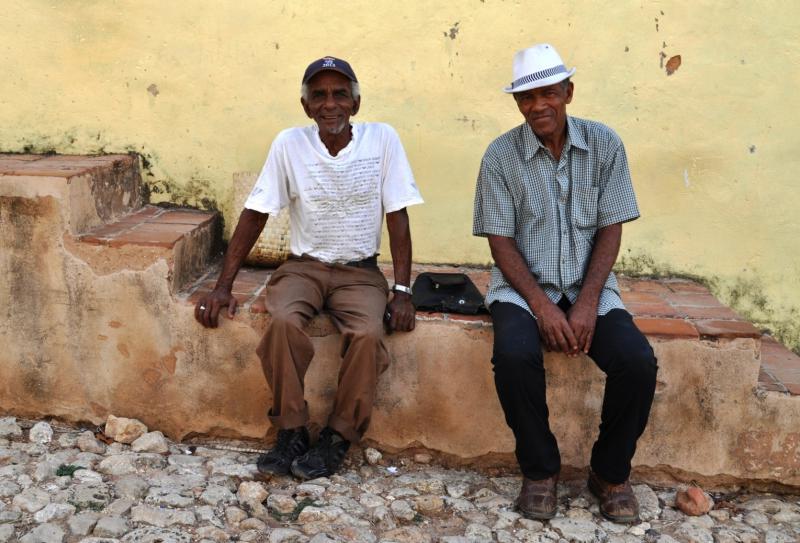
[570, 91]
[356, 105]
[305, 108]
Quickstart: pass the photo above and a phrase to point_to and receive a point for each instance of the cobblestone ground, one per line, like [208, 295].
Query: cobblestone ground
[62, 484]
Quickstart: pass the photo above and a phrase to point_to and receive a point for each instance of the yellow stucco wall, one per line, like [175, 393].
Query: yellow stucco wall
[201, 88]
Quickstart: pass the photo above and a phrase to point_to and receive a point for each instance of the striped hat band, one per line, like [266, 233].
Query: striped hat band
[543, 74]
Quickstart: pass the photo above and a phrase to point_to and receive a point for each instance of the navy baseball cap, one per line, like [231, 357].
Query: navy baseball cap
[329, 63]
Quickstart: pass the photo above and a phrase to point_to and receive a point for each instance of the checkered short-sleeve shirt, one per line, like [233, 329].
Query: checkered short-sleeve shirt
[553, 210]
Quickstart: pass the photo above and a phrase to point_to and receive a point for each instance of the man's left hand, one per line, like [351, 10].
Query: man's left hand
[402, 313]
[582, 317]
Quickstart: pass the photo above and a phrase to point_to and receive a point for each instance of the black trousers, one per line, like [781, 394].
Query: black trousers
[618, 348]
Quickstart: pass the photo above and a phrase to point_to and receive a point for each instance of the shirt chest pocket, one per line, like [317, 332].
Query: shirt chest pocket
[584, 206]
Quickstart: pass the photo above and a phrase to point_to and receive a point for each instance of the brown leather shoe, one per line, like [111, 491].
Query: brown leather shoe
[537, 499]
[617, 502]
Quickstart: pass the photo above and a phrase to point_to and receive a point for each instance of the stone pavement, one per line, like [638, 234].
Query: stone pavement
[60, 483]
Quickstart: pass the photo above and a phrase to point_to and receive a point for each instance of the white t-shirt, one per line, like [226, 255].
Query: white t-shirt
[336, 204]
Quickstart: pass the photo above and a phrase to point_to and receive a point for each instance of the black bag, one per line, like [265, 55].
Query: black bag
[448, 293]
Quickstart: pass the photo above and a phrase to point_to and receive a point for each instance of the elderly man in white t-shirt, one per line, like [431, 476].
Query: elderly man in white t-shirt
[338, 180]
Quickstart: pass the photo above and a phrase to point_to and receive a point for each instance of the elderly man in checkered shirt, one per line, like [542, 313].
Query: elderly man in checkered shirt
[551, 198]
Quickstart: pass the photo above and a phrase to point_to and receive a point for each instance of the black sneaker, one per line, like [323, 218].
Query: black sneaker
[324, 458]
[290, 444]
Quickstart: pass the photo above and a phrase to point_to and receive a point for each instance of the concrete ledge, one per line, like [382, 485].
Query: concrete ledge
[84, 338]
[128, 347]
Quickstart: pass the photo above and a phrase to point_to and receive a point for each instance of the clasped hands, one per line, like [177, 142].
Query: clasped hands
[571, 332]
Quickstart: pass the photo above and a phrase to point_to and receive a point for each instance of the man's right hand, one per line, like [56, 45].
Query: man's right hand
[249, 227]
[208, 307]
[555, 330]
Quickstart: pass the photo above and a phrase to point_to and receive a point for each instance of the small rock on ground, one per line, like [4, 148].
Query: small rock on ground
[693, 501]
[124, 430]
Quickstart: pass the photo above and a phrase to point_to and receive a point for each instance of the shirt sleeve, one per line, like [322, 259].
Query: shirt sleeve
[493, 213]
[270, 194]
[617, 201]
[399, 190]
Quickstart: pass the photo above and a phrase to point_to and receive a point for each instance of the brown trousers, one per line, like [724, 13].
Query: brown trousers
[355, 298]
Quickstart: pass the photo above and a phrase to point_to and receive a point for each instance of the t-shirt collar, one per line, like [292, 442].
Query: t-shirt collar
[355, 133]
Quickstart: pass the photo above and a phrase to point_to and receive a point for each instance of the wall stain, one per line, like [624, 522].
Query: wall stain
[191, 194]
[123, 350]
[170, 361]
[25, 225]
[466, 120]
[453, 31]
[153, 89]
[151, 376]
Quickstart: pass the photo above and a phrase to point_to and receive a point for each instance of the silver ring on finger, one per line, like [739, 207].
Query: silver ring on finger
[202, 308]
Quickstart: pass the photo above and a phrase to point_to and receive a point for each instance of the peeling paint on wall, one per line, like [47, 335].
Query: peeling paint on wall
[673, 64]
[453, 32]
[758, 449]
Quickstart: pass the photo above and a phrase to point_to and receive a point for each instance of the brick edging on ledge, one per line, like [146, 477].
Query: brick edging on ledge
[669, 308]
[663, 309]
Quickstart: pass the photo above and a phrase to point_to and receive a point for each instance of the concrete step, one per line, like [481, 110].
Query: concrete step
[188, 239]
[92, 190]
[780, 368]
[99, 200]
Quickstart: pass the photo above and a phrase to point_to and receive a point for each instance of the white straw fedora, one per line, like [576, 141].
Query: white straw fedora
[537, 66]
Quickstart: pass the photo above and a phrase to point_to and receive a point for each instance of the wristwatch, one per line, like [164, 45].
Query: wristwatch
[402, 288]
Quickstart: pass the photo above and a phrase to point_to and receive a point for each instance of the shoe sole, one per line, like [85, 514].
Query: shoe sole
[271, 471]
[536, 516]
[307, 476]
[619, 520]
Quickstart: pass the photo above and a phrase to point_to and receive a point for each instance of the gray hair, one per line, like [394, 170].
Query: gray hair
[355, 90]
